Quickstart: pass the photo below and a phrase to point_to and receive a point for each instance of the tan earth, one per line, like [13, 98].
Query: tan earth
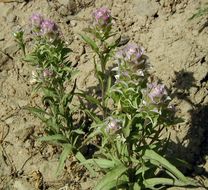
[178, 52]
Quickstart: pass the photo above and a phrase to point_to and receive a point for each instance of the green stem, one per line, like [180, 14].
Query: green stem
[103, 84]
[22, 46]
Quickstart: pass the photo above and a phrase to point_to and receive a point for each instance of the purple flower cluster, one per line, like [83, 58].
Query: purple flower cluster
[131, 53]
[44, 27]
[113, 126]
[47, 73]
[157, 92]
[102, 17]
[36, 20]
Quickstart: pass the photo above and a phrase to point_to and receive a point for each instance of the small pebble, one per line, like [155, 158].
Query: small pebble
[73, 23]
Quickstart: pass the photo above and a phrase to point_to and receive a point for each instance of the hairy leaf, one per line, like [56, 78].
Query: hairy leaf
[67, 150]
[110, 177]
[90, 42]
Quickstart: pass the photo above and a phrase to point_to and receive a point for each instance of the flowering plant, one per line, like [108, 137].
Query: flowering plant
[129, 115]
[52, 72]
[102, 33]
[128, 135]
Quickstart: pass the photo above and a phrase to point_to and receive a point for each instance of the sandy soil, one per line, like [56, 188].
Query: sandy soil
[176, 49]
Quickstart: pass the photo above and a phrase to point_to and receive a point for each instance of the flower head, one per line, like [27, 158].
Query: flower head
[102, 17]
[157, 92]
[49, 28]
[113, 126]
[47, 73]
[36, 20]
[131, 53]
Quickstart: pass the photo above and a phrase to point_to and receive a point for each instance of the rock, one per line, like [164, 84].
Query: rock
[5, 170]
[63, 11]
[11, 49]
[11, 18]
[124, 40]
[73, 23]
[205, 100]
[10, 120]
[200, 72]
[21, 184]
[200, 95]
[48, 168]
[3, 59]
[25, 133]
[22, 103]
[146, 7]
[193, 90]
[186, 108]
[5, 10]
[2, 36]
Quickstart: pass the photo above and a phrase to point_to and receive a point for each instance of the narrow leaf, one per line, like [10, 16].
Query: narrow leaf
[153, 156]
[90, 42]
[82, 159]
[102, 163]
[152, 182]
[38, 113]
[64, 155]
[57, 137]
[110, 177]
[90, 99]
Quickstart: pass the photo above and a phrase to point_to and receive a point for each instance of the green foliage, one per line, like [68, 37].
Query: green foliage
[19, 39]
[129, 129]
[200, 12]
[104, 51]
[52, 71]
[126, 119]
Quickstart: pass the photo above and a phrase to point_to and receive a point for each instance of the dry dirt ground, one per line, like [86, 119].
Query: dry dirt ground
[178, 52]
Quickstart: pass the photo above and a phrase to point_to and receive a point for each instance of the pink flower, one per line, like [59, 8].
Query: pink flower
[131, 53]
[49, 27]
[47, 73]
[157, 92]
[36, 20]
[102, 17]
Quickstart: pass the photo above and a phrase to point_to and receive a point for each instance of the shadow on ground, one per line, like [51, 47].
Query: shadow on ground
[196, 151]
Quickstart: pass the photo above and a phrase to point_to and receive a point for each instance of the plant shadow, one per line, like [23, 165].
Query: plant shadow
[195, 150]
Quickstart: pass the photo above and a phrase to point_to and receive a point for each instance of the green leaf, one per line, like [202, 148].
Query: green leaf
[110, 177]
[38, 113]
[92, 115]
[199, 13]
[102, 163]
[50, 92]
[90, 99]
[127, 129]
[152, 182]
[90, 42]
[92, 134]
[82, 159]
[109, 84]
[78, 131]
[116, 184]
[31, 58]
[67, 98]
[142, 169]
[52, 124]
[136, 186]
[158, 160]
[57, 137]
[64, 155]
